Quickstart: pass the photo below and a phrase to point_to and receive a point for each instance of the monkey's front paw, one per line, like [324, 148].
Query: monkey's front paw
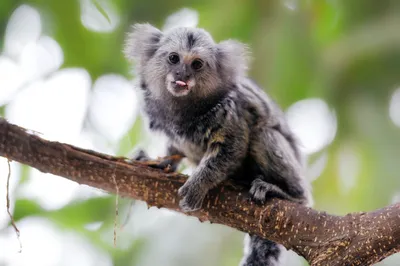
[192, 197]
[259, 190]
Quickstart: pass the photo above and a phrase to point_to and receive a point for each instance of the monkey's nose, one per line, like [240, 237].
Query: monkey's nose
[180, 75]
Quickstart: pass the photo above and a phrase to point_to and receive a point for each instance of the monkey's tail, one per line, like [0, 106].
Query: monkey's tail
[261, 252]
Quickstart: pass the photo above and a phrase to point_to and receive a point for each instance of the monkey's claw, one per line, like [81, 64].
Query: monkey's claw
[190, 206]
[192, 197]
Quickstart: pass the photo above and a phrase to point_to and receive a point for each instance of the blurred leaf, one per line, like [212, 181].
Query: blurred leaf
[27, 208]
[239, 19]
[131, 138]
[73, 215]
[25, 171]
[326, 20]
[294, 64]
[358, 12]
[375, 38]
[130, 255]
[78, 214]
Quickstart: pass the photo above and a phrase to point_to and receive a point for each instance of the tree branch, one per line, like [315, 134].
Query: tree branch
[322, 239]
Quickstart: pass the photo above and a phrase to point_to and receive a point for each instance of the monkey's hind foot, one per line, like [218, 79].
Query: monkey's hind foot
[168, 163]
[262, 191]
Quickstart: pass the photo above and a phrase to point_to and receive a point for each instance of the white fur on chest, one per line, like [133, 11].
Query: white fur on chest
[193, 152]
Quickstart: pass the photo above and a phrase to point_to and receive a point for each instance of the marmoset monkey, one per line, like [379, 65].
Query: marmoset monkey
[197, 93]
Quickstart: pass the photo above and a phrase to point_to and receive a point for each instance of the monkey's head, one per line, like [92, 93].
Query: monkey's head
[184, 61]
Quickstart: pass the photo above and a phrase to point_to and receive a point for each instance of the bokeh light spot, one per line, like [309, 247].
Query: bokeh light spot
[394, 107]
[313, 123]
[99, 15]
[24, 26]
[113, 106]
[185, 17]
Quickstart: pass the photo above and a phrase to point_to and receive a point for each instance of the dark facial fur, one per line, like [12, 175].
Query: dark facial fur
[219, 119]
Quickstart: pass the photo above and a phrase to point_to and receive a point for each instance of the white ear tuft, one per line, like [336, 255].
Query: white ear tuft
[233, 58]
[142, 42]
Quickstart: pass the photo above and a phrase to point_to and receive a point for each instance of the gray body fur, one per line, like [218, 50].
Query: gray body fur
[221, 121]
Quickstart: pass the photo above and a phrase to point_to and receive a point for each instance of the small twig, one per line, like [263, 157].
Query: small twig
[14, 225]
[116, 208]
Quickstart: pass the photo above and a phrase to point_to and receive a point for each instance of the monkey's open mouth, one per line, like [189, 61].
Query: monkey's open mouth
[180, 85]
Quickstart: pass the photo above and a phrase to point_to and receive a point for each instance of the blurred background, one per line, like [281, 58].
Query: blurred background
[333, 66]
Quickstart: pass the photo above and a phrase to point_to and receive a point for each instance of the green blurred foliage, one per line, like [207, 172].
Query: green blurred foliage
[346, 52]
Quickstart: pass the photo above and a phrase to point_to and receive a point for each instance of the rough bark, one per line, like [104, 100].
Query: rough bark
[322, 239]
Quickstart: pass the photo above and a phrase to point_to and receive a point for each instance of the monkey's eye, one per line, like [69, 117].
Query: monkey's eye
[197, 64]
[173, 58]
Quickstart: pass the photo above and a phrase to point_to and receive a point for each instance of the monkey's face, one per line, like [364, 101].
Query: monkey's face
[189, 72]
[184, 62]
[189, 58]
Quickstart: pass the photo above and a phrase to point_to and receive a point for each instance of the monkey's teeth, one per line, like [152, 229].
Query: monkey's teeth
[180, 83]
